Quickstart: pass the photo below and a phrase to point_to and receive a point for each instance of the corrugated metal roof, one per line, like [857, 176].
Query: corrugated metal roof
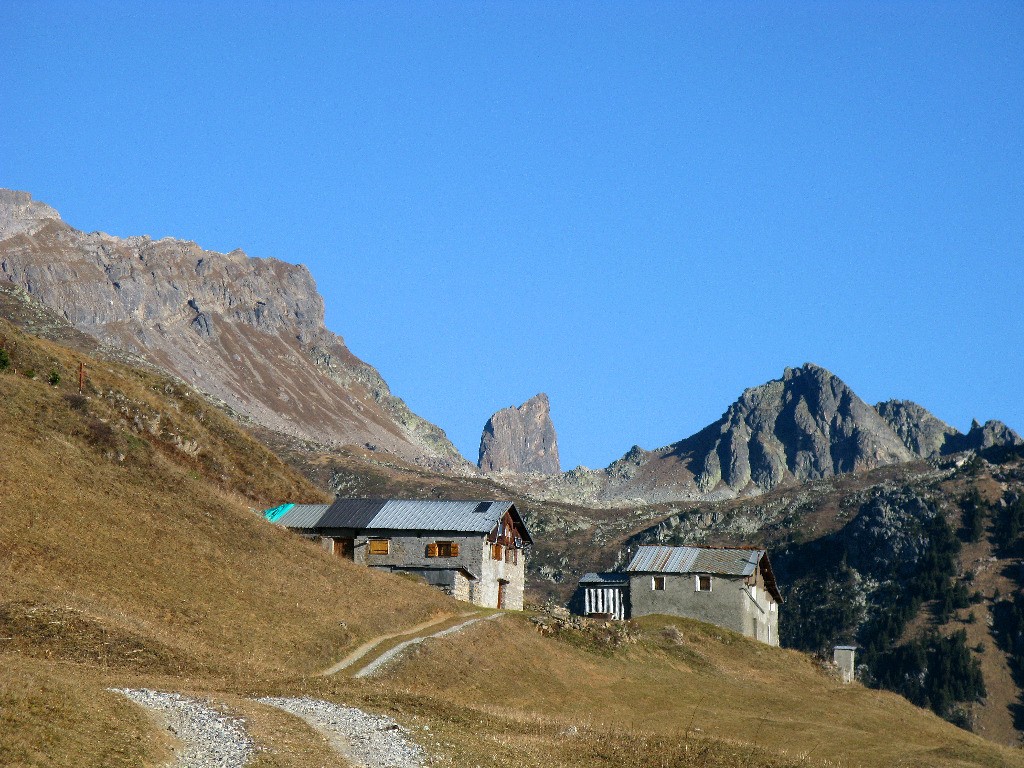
[727, 562]
[351, 513]
[400, 515]
[299, 516]
[472, 516]
[610, 579]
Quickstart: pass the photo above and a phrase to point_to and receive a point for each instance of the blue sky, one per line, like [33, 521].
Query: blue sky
[639, 210]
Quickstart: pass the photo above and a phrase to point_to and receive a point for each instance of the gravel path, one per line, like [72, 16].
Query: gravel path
[210, 738]
[388, 655]
[369, 741]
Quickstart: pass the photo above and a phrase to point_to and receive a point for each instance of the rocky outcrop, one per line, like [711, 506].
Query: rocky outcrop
[923, 433]
[805, 426]
[521, 440]
[20, 213]
[249, 332]
[983, 436]
[929, 437]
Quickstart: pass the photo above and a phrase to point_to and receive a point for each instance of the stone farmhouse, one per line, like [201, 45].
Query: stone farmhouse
[473, 550]
[730, 587]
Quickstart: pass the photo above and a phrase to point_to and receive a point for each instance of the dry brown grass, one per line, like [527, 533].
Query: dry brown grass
[61, 715]
[144, 540]
[133, 556]
[284, 741]
[671, 691]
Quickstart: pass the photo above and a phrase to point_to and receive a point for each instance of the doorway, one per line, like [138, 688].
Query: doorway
[344, 548]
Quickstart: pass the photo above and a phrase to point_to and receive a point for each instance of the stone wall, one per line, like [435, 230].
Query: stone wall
[732, 603]
[409, 553]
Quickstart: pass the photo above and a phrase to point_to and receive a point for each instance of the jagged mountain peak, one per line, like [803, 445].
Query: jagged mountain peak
[248, 331]
[920, 430]
[807, 425]
[20, 213]
[521, 439]
[928, 436]
[981, 436]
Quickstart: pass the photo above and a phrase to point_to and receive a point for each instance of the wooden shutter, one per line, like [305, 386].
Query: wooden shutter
[432, 549]
[454, 549]
[378, 546]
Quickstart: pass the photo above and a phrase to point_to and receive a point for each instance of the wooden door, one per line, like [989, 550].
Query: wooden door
[345, 548]
[502, 585]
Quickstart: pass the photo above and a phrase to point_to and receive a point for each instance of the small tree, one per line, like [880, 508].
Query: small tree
[5, 360]
[974, 512]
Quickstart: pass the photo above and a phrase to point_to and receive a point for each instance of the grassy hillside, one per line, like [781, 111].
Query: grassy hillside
[134, 555]
[131, 545]
[656, 692]
[135, 504]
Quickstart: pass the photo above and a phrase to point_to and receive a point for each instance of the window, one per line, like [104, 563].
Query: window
[443, 549]
[658, 583]
[378, 546]
[703, 582]
[496, 553]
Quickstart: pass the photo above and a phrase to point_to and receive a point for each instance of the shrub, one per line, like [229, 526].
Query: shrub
[78, 402]
[101, 434]
[5, 360]
[54, 378]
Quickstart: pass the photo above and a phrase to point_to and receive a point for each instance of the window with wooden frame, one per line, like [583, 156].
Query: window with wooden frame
[378, 546]
[703, 582]
[443, 549]
[496, 552]
[658, 583]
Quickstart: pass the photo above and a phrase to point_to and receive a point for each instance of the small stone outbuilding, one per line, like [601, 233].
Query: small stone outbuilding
[730, 587]
[473, 550]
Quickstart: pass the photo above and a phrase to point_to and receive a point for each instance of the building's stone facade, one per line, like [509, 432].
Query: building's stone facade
[474, 575]
[734, 602]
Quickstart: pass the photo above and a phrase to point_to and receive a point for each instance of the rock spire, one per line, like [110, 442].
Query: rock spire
[521, 440]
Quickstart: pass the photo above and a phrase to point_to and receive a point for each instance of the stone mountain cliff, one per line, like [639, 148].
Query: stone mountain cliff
[929, 437]
[805, 426]
[247, 331]
[521, 439]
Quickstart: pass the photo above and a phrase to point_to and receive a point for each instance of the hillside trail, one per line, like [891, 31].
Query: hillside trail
[373, 642]
[391, 653]
[207, 735]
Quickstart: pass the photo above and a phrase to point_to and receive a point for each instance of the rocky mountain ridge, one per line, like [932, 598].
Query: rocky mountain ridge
[929, 437]
[248, 331]
[521, 440]
[807, 425]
